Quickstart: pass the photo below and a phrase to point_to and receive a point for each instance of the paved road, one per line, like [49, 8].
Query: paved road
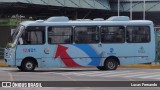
[81, 74]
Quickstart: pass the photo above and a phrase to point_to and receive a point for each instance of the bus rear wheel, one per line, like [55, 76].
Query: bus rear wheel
[28, 65]
[101, 67]
[111, 64]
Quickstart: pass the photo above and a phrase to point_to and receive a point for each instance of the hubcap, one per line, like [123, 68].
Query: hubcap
[111, 65]
[29, 65]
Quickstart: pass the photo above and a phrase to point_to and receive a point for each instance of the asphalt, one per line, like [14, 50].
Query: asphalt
[151, 66]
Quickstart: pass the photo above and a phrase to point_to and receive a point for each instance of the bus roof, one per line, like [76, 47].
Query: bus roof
[64, 21]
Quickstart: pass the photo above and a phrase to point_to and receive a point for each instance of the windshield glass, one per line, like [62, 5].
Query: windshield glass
[15, 36]
[15, 33]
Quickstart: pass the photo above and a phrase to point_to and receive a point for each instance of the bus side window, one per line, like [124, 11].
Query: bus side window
[138, 34]
[86, 34]
[34, 35]
[80, 38]
[24, 37]
[60, 35]
[112, 34]
[49, 40]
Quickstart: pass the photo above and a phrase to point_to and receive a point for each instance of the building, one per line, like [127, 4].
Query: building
[41, 9]
[12, 10]
[152, 9]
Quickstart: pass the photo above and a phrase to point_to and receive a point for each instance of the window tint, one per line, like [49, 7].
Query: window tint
[61, 35]
[86, 34]
[34, 35]
[112, 34]
[138, 34]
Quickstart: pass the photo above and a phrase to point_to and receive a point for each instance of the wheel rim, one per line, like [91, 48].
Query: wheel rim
[111, 65]
[29, 65]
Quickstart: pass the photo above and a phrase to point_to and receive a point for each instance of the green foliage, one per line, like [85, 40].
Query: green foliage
[11, 21]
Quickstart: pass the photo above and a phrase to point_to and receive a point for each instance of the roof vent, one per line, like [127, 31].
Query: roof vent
[98, 19]
[83, 19]
[58, 19]
[40, 21]
[118, 18]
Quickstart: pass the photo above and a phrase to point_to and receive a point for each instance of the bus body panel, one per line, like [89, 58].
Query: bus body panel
[85, 55]
[37, 52]
[10, 56]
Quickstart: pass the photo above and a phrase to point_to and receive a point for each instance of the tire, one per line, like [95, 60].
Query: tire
[101, 67]
[20, 68]
[28, 65]
[111, 64]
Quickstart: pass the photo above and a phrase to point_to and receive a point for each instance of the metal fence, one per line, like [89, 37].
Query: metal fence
[157, 45]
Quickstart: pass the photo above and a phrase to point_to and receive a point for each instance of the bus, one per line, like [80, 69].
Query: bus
[60, 42]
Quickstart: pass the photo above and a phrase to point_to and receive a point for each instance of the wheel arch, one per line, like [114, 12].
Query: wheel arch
[30, 58]
[114, 57]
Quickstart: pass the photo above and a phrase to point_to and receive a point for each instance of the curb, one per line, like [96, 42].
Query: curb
[149, 66]
[3, 64]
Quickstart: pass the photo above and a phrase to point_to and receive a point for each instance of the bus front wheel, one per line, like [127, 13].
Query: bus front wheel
[111, 64]
[28, 65]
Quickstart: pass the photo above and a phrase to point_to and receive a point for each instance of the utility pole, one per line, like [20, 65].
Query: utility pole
[118, 7]
[144, 9]
[130, 9]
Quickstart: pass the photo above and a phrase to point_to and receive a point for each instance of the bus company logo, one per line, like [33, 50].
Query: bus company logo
[111, 51]
[6, 84]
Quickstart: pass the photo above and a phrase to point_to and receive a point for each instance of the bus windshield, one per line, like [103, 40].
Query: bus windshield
[15, 36]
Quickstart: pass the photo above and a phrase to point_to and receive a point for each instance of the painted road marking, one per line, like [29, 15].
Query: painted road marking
[126, 74]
